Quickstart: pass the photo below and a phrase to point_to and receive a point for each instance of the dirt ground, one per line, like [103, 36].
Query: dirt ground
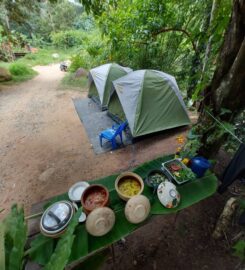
[177, 242]
[44, 149]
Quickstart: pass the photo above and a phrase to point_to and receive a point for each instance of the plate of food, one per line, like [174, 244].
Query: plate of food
[156, 177]
[129, 184]
[95, 196]
[178, 171]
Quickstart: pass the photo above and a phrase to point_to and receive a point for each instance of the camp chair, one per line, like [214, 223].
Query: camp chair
[110, 134]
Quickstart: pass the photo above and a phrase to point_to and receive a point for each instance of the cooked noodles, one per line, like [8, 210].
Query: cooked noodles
[129, 187]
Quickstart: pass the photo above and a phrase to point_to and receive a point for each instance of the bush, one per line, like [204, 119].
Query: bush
[81, 59]
[95, 48]
[67, 39]
[20, 69]
[94, 52]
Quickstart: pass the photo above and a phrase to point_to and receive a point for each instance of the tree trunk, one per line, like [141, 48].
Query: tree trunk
[215, 6]
[227, 86]
[196, 60]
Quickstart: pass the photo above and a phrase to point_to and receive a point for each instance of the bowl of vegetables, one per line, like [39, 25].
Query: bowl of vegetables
[93, 197]
[178, 171]
[129, 184]
[156, 177]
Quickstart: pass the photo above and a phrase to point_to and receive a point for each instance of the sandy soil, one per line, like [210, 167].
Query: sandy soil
[44, 148]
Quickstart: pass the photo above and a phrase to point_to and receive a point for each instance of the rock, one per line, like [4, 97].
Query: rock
[81, 72]
[5, 75]
[46, 175]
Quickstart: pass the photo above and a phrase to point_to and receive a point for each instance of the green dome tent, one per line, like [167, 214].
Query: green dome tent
[100, 82]
[150, 100]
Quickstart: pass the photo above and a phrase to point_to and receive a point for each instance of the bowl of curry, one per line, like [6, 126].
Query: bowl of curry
[129, 184]
[93, 197]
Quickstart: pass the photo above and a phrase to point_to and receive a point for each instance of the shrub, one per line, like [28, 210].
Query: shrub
[82, 59]
[94, 52]
[67, 39]
[95, 48]
[20, 69]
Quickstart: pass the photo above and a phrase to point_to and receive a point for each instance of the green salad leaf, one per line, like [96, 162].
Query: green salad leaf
[186, 174]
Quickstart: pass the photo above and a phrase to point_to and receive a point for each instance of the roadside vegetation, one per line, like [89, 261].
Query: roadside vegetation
[49, 33]
[72, 83]
[21, 69]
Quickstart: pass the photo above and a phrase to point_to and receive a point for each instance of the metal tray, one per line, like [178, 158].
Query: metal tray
[164, 168]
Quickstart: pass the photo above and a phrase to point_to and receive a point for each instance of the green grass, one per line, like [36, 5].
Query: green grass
[69, 82]
[20, 72]
[42, 57]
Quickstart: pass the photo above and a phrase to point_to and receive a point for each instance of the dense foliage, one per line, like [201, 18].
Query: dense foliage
[41, 24]
[166, 35]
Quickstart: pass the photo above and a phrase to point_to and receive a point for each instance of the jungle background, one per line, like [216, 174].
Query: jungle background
[182, 38]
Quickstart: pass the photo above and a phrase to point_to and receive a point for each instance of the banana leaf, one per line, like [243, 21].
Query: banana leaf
[62, 251]
[191, 193]
[41, 249]
[15, 233]
[2, 249]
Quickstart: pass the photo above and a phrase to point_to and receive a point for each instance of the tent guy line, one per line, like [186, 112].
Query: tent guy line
[232, 134]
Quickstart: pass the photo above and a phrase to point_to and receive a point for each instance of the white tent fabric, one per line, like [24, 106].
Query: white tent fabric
[99, 75]
[171, 80]
[128, 89]
[127, 69]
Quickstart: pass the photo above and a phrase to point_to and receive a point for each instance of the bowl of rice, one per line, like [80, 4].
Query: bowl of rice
[129, 184]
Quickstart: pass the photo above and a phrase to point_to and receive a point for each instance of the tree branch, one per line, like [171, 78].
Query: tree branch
[164, 30]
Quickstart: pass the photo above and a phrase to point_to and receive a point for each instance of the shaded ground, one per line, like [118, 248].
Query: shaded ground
[176, 242]
[44, 149]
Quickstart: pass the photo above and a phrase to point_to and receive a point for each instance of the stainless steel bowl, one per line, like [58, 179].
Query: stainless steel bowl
[56, 217]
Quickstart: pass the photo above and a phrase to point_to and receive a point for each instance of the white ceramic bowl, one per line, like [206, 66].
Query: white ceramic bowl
[168, 194]
[75, 192]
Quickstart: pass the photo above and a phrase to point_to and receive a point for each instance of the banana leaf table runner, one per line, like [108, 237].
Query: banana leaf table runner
[85, 244]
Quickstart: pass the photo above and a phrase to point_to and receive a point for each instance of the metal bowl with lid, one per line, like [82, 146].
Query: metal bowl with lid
[56, 218]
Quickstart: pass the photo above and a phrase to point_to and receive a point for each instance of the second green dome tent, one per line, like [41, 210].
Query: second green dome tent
[149, 100]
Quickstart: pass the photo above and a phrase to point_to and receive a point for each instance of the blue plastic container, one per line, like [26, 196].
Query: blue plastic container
[200, 165]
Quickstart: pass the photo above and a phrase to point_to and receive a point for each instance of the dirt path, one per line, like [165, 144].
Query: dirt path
[44, 148]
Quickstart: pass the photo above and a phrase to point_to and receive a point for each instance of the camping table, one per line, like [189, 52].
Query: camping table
[84, 244]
